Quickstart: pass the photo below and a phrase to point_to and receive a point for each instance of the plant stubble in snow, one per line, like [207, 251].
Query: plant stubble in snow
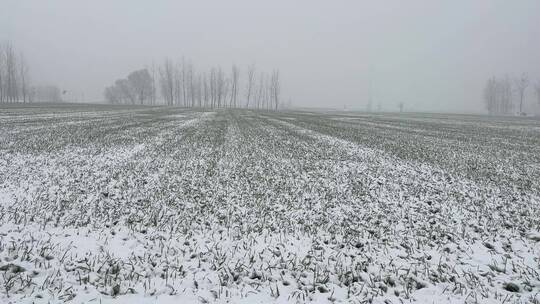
[124, 205]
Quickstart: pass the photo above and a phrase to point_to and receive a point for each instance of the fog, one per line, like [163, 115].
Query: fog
[430, 55]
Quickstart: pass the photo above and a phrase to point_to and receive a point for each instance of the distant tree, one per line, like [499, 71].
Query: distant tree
[2, 75]
[504, 92]
[401, 106]
[226, 90]
[275, 89]
[24, 77]
[112, 95]
[166, 79]
[199, 87]
[183, 78]
[12, 87]
[235, 74]
[212, 87]
[490, 95]
[250, 84]
[137, 88]
[140, 83]
[154, 90]
[537, 90]
[177, 88]
[32, 94]
[220, 87]
[206, 90]
[498, 96]
[181, 84]
[191, 85]
[126, 90]
[15, 84]
[268, 98]
[521, 85]
[46, 93]
[261, 91]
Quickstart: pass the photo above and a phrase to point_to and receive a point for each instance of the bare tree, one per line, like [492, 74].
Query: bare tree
[12, 87]
[127, 93]
[199, 90]
[490, 95]
[167, 81]
[521, 85]
[182, 85]
[178, 95]
[226, 91]
[250, 88]
[112, 95]
[23, 70]
[498, 96]
[235, 75]
[153, 92]
[212, 87]
[275, 89]
[191, 83]
[261, 91]
[15, 78]
[220, 88]
[506, 103]
[2, 75]
[206, 92]
[184, 82]
[140, 84]
[268, 93]
[537, 89]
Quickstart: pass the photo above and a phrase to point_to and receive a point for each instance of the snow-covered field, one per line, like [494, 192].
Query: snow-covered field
[106, 204]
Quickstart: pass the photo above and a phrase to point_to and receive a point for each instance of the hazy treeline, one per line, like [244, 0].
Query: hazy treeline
[505, 95]
[180, 84]
[46, 93]
[15, 83]
[137, 88]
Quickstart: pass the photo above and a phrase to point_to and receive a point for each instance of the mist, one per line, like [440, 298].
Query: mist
[429, 55]
[270, 151]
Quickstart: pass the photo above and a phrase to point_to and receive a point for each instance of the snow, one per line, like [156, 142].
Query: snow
[175, 206]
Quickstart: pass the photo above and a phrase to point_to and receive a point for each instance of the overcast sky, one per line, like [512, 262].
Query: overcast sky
[431, 55]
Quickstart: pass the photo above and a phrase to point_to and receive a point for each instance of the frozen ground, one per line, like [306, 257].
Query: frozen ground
[144, 205]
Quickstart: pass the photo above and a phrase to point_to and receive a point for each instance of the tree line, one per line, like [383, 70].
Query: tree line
[501, 94]
[15, 83]
[180, 84]
[13, 75]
